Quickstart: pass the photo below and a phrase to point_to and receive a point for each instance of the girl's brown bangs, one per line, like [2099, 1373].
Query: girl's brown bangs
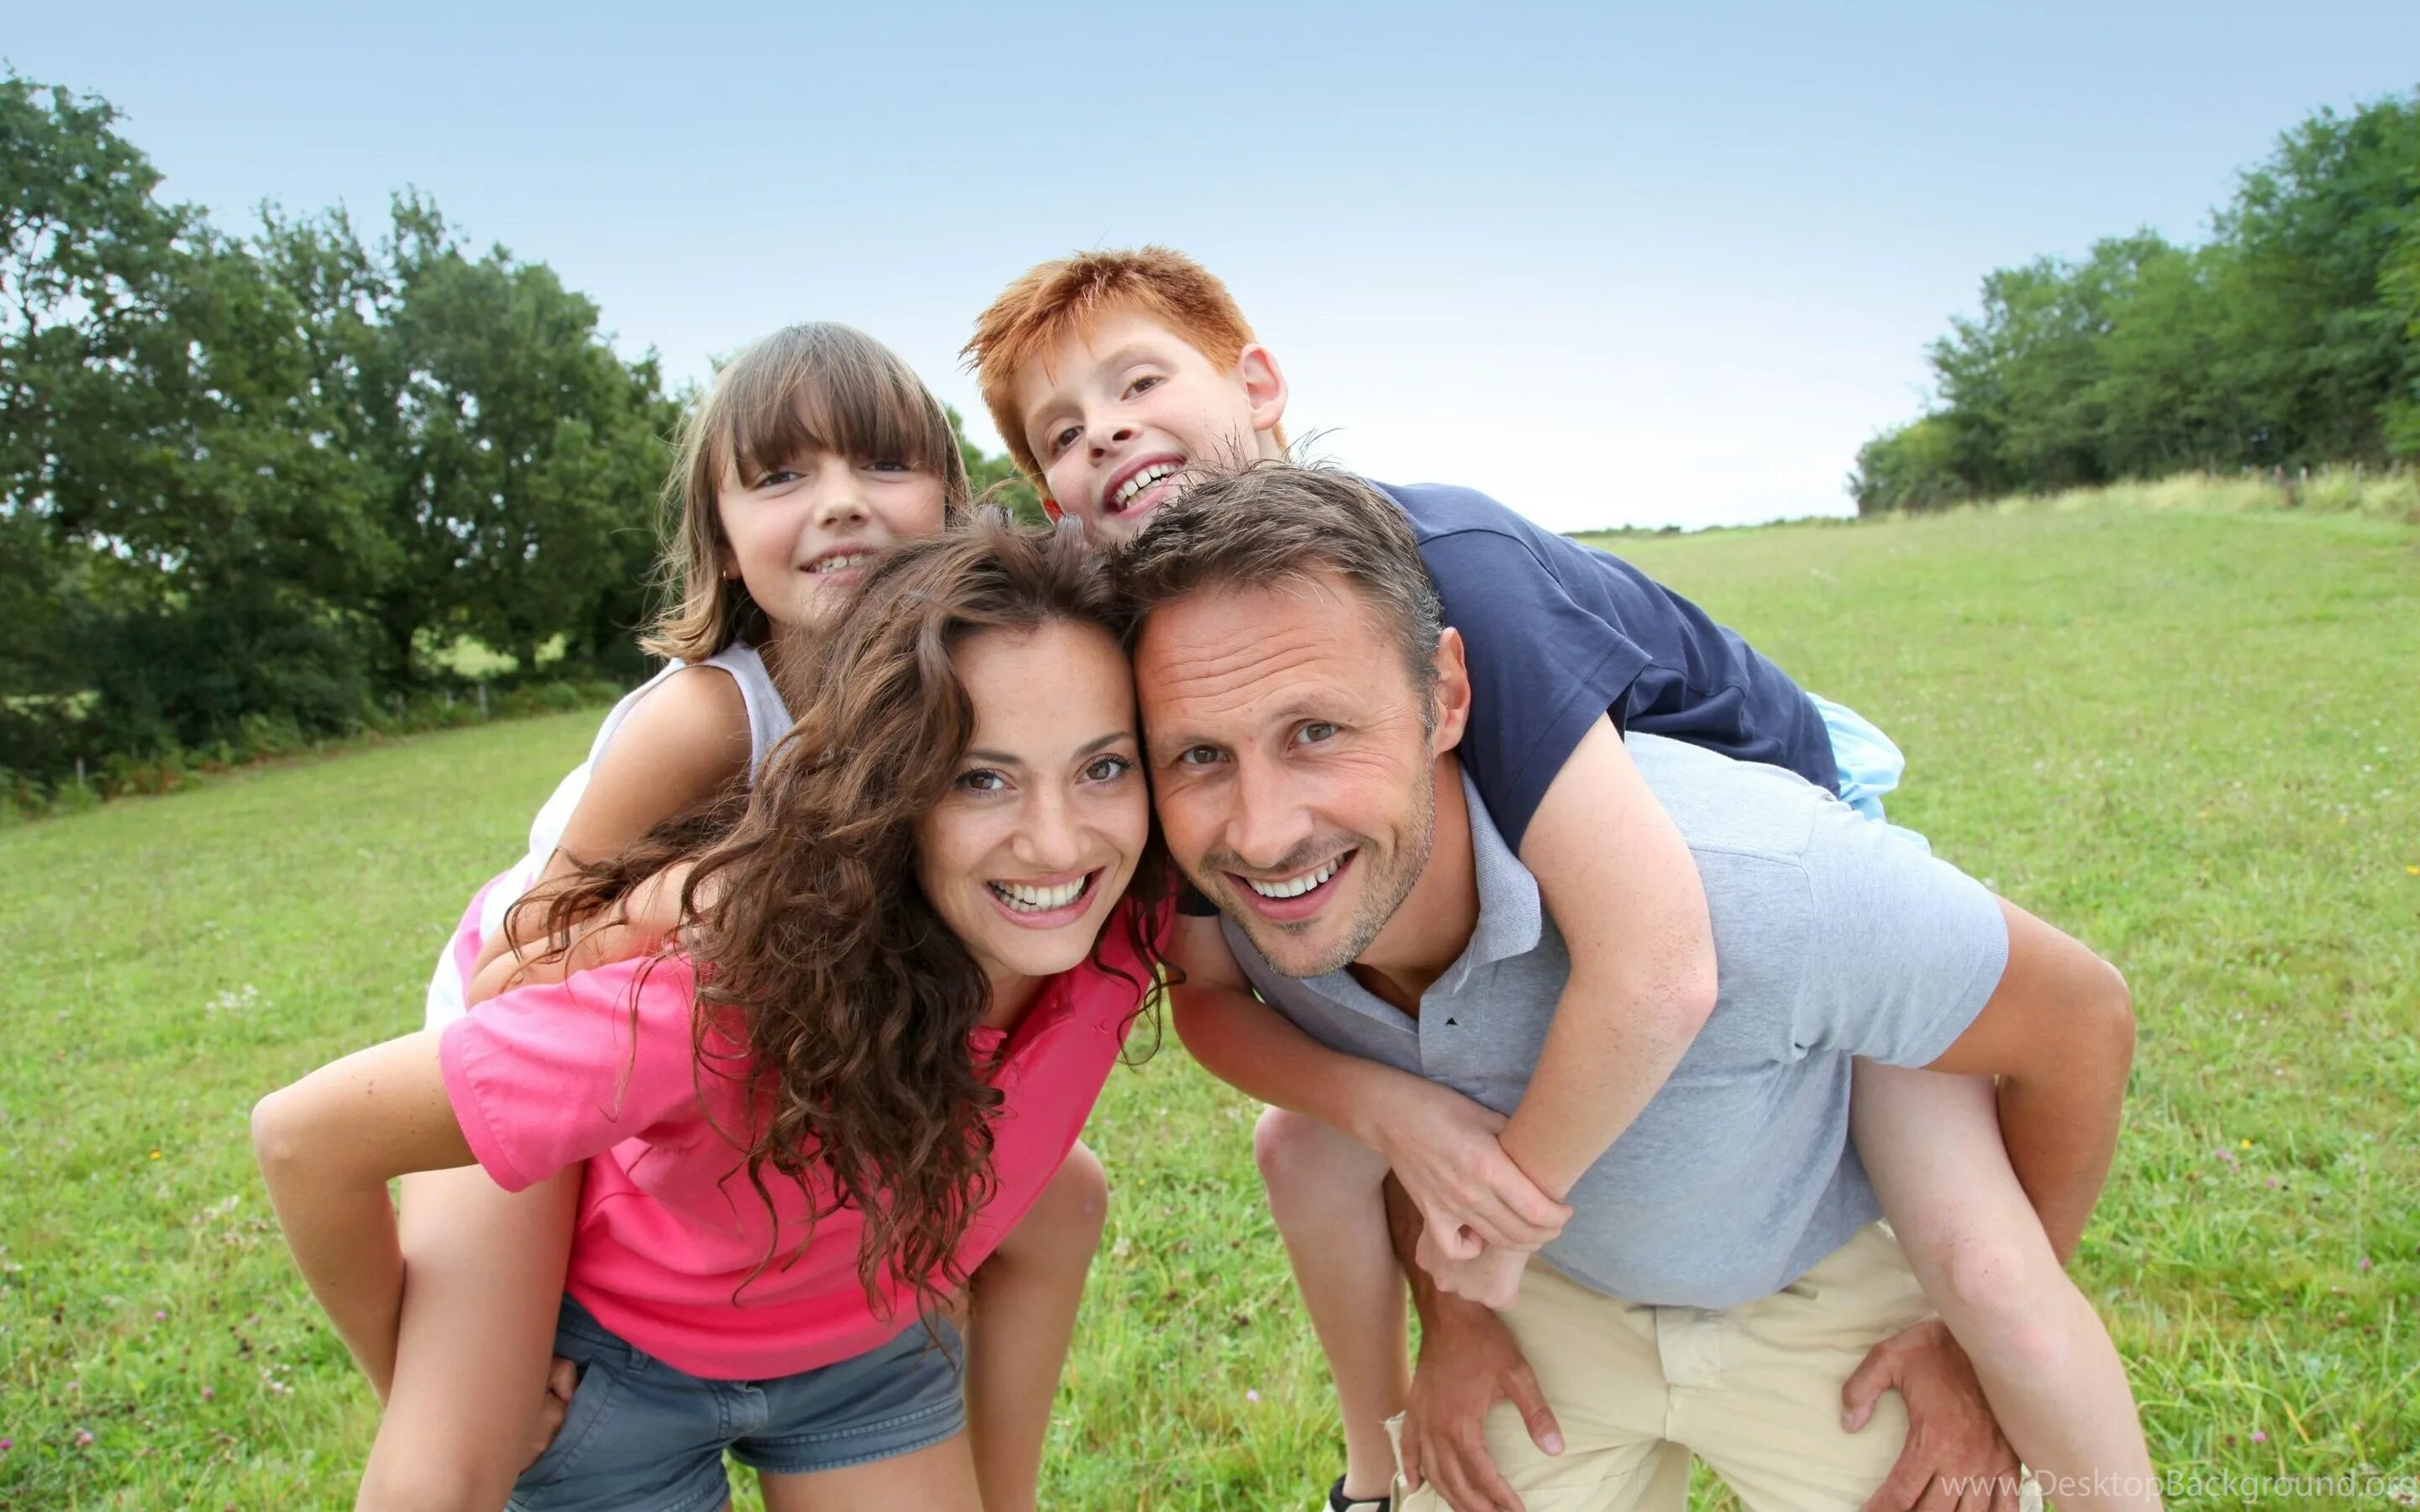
[855, 404]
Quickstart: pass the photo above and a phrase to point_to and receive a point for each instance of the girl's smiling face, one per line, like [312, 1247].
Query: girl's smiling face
[797, 533]
[1047, 813]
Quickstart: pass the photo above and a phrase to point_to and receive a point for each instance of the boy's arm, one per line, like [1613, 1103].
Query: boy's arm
[683, 744]
[327, 1146]
[2058, 1032]
[1441, 1143]
[1622, 887]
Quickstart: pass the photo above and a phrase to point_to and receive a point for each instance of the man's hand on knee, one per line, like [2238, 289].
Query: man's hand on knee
[1468, 1362]
[1955, 1448]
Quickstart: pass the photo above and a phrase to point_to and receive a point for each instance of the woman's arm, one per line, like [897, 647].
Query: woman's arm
[327, 1146]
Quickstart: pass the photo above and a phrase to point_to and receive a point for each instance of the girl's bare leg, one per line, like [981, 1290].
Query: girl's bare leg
[482, 1285]
[940, 1479]
[1932, 1144]
[1017, 1331]
[1326, 1192]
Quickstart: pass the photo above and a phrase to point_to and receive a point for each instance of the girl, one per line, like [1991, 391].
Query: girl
[816, 449]
[908, 967]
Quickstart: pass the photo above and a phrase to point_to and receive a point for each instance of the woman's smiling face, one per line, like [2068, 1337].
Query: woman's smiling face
[1048, 813]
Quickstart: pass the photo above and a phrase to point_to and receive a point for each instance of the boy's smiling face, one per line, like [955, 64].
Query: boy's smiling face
[1117, 411]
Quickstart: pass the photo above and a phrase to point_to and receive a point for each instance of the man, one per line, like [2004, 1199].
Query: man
[1721, 1272]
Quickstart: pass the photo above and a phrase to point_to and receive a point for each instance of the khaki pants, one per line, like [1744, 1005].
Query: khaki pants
[1752, 1390]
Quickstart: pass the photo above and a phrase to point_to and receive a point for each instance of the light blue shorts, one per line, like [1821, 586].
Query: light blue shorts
[1870, 763]
[640, 1436]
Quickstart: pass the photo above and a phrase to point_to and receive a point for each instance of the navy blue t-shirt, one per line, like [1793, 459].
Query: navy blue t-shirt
[1557, 635]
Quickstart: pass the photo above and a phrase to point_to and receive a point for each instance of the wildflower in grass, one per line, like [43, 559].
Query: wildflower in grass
[2247, 1144]
[84, 1438]
[159, 1317]
[2363, 1265]
[7, 1445]
[207, 1394]
[155, 1154]
[2259, 1437]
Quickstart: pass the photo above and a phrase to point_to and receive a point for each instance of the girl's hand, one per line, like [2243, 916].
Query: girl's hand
[1471, 1193]
[636, 925]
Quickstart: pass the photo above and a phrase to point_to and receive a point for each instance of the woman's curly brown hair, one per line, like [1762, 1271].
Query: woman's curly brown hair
[814, 946]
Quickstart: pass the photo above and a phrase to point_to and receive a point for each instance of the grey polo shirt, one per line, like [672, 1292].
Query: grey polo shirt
[1833, 940]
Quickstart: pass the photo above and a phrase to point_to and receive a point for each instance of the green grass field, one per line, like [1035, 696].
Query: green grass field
[2189, 738]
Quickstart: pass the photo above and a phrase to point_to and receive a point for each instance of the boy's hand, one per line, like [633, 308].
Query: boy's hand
[1471, 1193]
[1492, 1280]
[1468, 1362]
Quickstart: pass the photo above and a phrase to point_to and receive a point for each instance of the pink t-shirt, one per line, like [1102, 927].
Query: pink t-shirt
[602, 1068]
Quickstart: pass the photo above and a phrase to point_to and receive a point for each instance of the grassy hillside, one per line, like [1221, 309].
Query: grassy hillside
[2189, 738]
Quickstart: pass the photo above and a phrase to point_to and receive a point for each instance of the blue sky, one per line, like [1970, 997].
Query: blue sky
[1669, 266]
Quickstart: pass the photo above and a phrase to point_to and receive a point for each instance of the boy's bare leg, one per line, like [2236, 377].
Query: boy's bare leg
[1327, 1191]
[482, 1285]
[1932, 1144]
[1020, 1326]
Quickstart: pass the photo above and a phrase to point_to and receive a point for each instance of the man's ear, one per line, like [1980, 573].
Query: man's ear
[1451, 694]
[1050, 507]
[1265, 386]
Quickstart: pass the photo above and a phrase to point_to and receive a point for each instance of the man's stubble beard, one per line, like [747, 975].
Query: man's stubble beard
[1381, 897]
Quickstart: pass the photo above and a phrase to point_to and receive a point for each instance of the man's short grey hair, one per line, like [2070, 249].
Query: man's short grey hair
[1274, 522]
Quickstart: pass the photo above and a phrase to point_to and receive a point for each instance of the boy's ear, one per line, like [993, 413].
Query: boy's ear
[1265, 385]
[1050, 507]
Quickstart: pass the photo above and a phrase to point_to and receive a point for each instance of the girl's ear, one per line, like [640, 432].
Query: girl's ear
[1050, 507]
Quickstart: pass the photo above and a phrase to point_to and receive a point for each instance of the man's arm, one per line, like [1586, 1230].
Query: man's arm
[1443, 1144]
[2058, 1032]
[1623, 889]
[1468, 1362]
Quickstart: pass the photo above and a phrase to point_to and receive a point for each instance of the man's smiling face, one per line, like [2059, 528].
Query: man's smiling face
[1294, 763]
[1118, 412]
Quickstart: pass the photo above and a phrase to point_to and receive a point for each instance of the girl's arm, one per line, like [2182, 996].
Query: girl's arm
[327, 1145]
[684, 743]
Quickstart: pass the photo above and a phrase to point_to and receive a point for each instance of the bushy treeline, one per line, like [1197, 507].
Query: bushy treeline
[2290, 339]
[252, 487]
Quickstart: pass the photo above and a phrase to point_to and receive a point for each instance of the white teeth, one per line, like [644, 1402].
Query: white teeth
[1140, 481]
[1300, 886]
[840, 563]
[1029, 900]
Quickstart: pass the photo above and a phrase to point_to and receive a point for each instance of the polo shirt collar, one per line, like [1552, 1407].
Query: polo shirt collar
[1509, 913]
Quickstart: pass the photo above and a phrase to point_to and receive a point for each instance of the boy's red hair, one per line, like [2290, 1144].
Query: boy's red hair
[1068, 294]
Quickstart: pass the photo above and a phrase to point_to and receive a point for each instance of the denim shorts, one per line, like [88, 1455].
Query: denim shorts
[640, 1436]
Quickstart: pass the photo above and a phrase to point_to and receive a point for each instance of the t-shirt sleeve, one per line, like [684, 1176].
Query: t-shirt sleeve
[545, 1075]
[1904, 949]
[1543, 668]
